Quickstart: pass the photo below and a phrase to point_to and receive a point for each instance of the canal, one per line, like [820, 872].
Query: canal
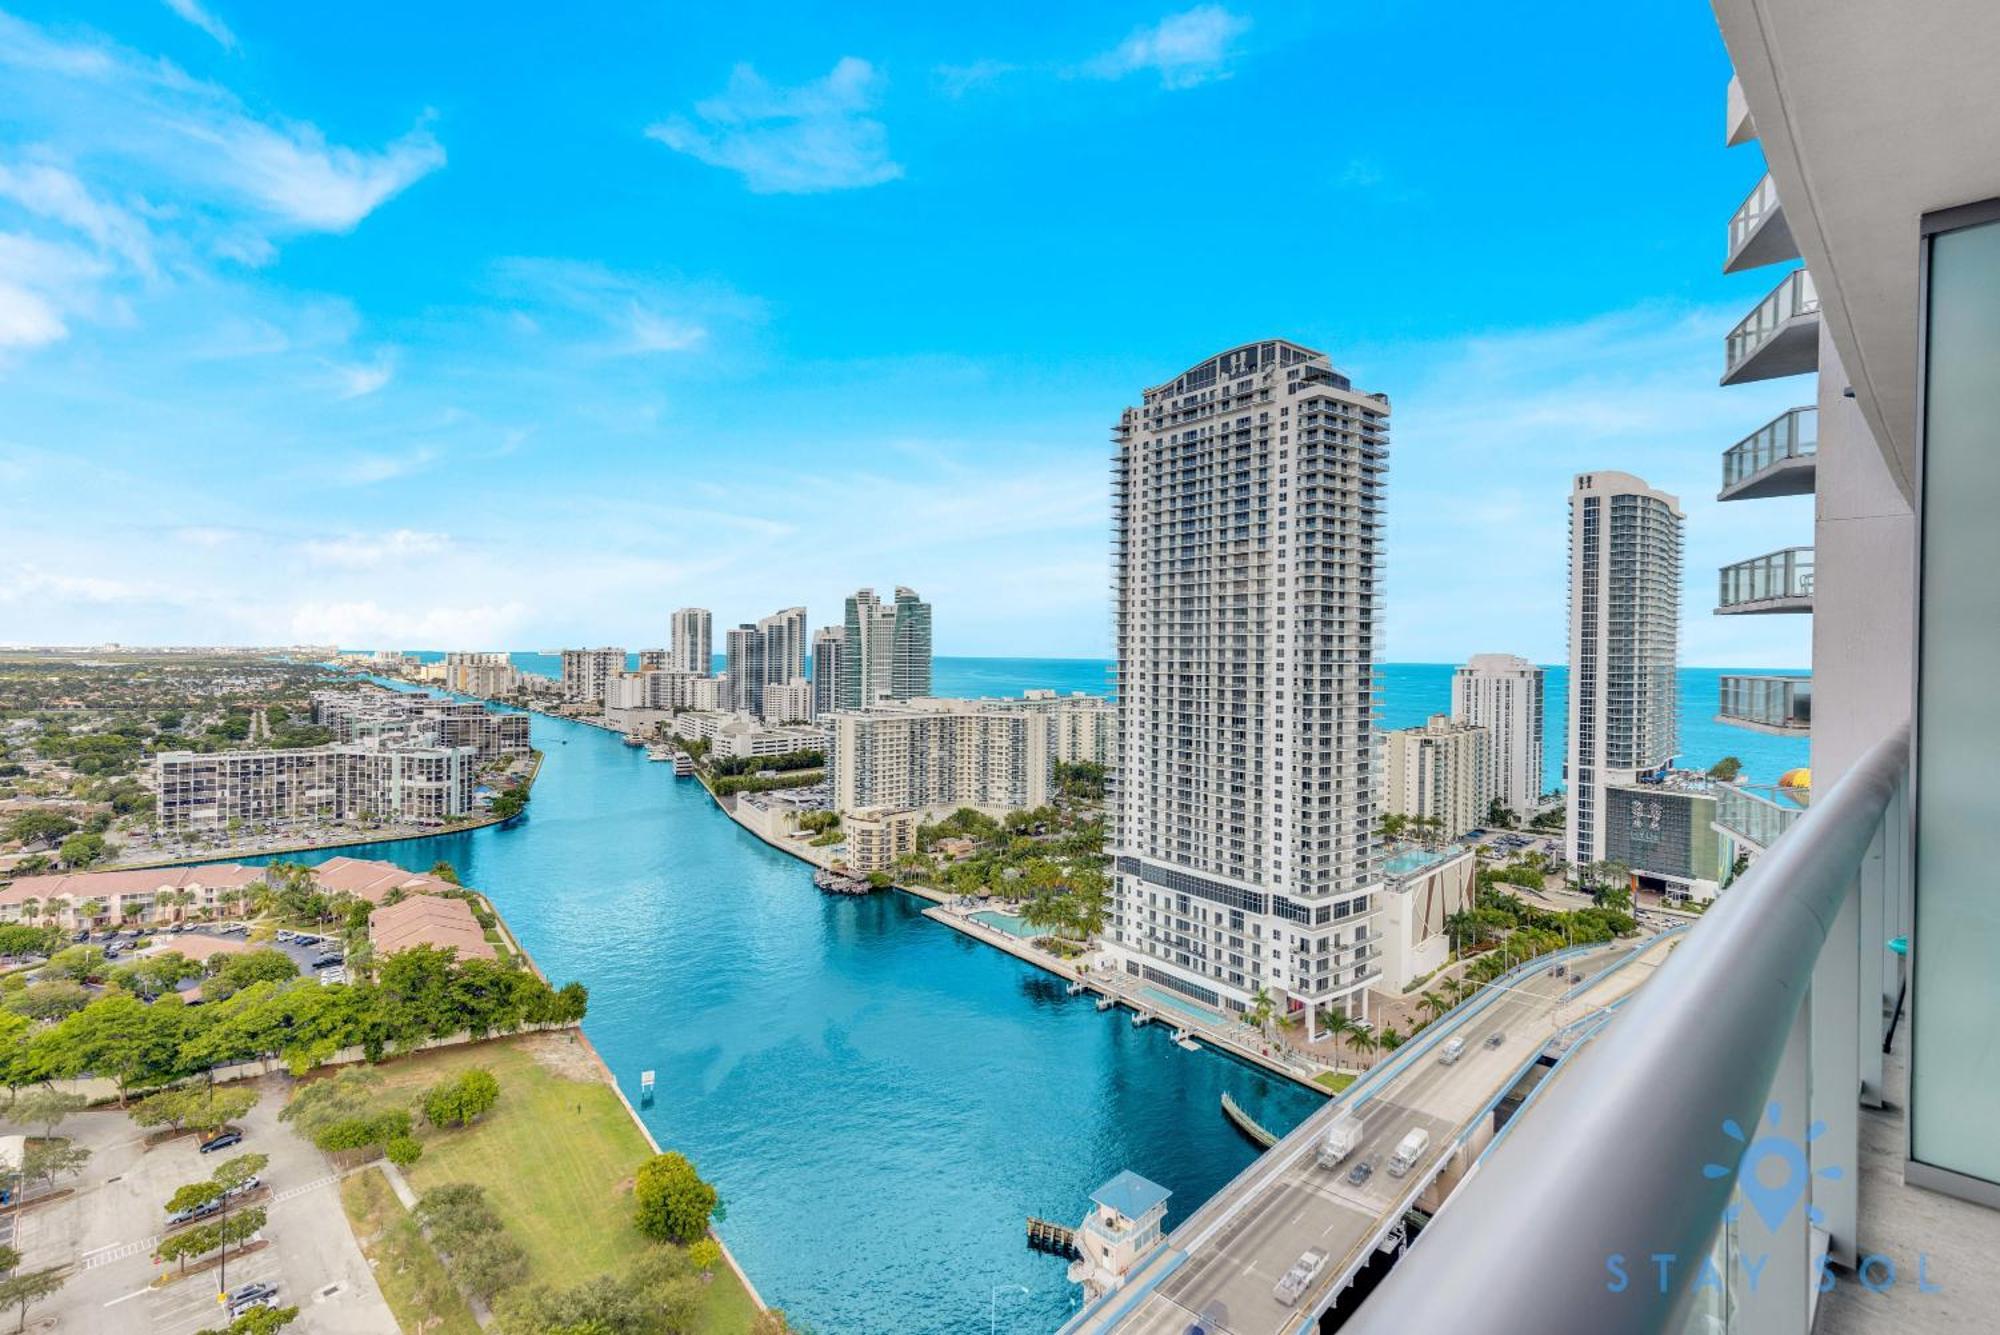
[880, 1100]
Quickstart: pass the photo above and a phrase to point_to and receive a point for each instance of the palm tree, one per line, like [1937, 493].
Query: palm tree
[1432, 1004]
[28, 907]
[1338, 1026]
[1364, 1039]
[1261, 1009]
[1390, 1038]
[90, 910]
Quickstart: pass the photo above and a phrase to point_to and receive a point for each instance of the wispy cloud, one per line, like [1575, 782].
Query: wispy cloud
[368, 623]
[958, 80]
[359, 380]
[363, 470]
[192, 11]
[1186, 49]
[624, 314]
[801, 140]
[368, 551]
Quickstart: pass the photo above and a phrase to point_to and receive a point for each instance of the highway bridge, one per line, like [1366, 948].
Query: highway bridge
[1217, 1271]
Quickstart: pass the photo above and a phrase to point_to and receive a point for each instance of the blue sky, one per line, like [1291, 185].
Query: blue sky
[517, 326]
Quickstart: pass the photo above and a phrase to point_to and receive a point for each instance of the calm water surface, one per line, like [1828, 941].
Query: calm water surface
[880, 1100]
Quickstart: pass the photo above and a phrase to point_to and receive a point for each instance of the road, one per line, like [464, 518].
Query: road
[1218, 1269]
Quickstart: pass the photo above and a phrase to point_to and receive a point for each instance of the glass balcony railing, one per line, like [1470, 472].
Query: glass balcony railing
[1780, 582]
[1761, 204]
[1759, 813]
[1789, 435]
[1778, 703]
[1793, 297]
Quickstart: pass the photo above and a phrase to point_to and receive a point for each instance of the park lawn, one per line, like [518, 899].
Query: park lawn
[556, 1158]
[412, 1279]
[1334, 1080]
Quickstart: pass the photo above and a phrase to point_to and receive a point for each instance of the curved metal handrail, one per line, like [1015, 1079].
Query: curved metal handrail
[1609, 1161]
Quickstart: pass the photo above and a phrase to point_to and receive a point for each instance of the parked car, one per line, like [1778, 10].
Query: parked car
[246, 1187]
[222, 1140]
[250, 1297]
[194, 1212]
[329, 961]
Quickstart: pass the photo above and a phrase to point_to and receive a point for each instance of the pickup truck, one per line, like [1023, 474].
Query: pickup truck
[1339, 1141]
[1294, 1282]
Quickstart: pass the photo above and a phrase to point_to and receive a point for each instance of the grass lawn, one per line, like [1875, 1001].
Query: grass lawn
[556, 1158]
[412, 1278]
[1334, 1080]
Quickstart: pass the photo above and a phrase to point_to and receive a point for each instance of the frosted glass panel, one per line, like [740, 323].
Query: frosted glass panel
[1955, 1070]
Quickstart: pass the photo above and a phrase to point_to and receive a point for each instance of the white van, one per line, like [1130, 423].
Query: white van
[1452, 1052]
[1299, 1278]
[1410, 1149]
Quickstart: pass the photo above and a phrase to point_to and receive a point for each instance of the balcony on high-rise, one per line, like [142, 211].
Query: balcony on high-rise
[1779, 582]
[1780, 458]
[1778, 338]
[1766, 704]
[1738, 127]
[1757, 814]
[1758, 231]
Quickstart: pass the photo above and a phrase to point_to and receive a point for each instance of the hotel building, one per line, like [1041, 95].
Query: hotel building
[1246, 515]
[1439, 772]
[1504, 695]
[1624, 643]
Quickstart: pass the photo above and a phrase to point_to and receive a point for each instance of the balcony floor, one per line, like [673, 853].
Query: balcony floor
[1767, 606]
[1903, 1222]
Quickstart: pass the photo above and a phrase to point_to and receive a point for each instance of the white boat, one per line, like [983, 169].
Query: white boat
[659, 753]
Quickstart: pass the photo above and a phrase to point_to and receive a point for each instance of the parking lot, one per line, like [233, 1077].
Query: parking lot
[109, 1228]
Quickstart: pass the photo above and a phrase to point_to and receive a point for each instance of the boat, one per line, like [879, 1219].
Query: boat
[662, 753]
[1105, 1003]
[630, 740]
[1184, 1038]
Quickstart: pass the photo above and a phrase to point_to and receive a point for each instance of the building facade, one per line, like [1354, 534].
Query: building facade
[924, 754]
[1504, 695]
[829, 650]
[1624, 644]
[585, 673]
[692, 642]
[788, 702]
[743, 650]
[1246, 511]
[1439, 773]
[393, 781]
[887, 654]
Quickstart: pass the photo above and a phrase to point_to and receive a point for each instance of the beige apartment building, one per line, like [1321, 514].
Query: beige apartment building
[402, 782]
[1439, 772]
[938, 754]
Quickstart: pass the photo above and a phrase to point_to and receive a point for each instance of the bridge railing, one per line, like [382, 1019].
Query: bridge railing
[1612, 1204]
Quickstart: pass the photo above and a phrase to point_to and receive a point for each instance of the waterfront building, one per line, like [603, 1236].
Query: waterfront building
[788, 702]
[829, 646]
[1246, 510]
[1438, 772]
[708, 693]
[446, 923]
[937, 754]
[585, 672]
[1624, 645]
[743, 649]
[693, 641]
[1504, 695]
[741, 738]
[876, 838]
[656, 660]
[153, 894]
[887, 655]
[482, 674]
[407, 783]
[784, 645]
[1422, 888]
[373, 715]
[1126, 1222]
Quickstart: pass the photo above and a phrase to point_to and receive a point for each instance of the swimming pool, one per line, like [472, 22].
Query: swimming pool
[1006, 922]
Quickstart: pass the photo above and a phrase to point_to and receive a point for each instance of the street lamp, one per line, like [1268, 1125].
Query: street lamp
[993, 1304]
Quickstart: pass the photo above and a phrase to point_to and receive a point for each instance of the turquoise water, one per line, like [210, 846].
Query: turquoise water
[1006, 922]
[882, 1101]
[1409, 693]
[1409, 860]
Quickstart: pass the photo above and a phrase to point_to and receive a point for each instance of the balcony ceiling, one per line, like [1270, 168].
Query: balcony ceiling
[1870, 117]
[1794, 476]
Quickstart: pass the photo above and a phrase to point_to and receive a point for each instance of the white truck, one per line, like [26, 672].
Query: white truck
[1295, 1281]
[1408, 1150]
[1339, 1141]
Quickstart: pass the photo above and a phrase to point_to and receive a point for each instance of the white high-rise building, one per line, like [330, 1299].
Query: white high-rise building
[888, 651]
[1624, 642]
[829, 651]
[1439, 772]
[1246, 511]
[1504, 694]
[788, 701]
[693, 642]
[784, 645]
[585, 672]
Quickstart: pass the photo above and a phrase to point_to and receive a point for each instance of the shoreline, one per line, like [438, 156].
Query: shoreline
[939, 912]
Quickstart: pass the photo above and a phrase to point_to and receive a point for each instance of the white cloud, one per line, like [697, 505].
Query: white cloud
[192, 11]
[802, 140]
[958, 80]
[27, 320]
[205, 535]
[29, 583]
[642, 315]
[50, 192]
[368, 551]
[1185, 49]
[292, 172]
[366, 469]
[367, 624]
[359, 380]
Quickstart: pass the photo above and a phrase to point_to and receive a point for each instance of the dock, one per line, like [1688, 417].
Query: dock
[1052, 1239]
[833, 883]
[1245, 1123]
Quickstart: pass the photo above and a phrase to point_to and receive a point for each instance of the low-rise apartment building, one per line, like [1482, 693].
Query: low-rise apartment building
[400, 716]
[428, 920]
[876, 839]
[155, 895]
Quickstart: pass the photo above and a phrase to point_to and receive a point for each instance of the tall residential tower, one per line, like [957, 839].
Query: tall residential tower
[1624, 641]
[1246, 511]
[887, 655]
[693, 642]
[1503, 694]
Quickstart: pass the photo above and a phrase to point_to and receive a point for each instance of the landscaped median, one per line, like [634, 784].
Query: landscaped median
[553, 1161]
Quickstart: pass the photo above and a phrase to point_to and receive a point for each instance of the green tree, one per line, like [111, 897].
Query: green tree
[47, 1109]
[46, 1160]
[460, 1101]
[233, 1174]
[23, 1290]
[152, 975]
[193, 1195]
[39, 825]
[671, 1202]
[1262, 1007]
[257, 1321]
[1726, 769]
[84, 850]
